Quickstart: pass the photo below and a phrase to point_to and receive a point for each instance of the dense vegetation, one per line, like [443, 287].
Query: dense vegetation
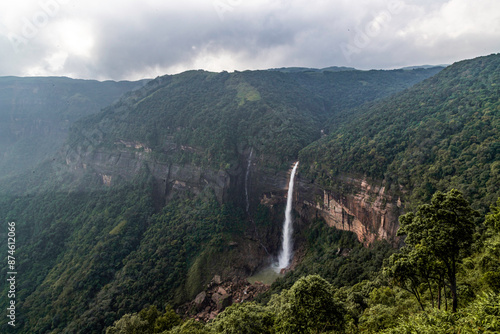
[36, 113]
[335, 255]
[96, 258]
[441, 133]
[384, 303]
[209, 118]
[105, 252]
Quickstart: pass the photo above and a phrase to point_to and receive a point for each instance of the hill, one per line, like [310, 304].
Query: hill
[441, 133]
[217, 115]
[36, 113]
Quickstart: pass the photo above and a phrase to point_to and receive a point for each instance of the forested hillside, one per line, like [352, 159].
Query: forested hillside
[443, 132]
[90, 253]
[214, 116]
[36, 113]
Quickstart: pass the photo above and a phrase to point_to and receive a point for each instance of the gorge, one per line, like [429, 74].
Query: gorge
[183, 183]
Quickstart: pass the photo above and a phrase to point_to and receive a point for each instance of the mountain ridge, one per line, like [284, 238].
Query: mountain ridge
[464, 98]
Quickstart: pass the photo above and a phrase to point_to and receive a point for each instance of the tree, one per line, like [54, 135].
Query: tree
[244, 318]
[442, 232]
[189, 327]
[413, 269]
[167, 320]
[490, 259]
[309, 307]
[148, 321]
[128, 324]
[493, 219]
[403, 273]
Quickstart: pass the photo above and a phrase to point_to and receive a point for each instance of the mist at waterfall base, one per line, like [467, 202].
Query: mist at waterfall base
[270, 274]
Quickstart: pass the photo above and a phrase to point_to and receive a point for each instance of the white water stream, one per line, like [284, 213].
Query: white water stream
[285, 256]
[246, 178]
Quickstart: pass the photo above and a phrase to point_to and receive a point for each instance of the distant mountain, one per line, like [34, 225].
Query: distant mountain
[409, 68]
[337, 69]
[36, 113]
[308, 69]
[343, 68]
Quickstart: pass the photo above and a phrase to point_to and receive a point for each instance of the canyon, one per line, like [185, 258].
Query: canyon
[366, 209]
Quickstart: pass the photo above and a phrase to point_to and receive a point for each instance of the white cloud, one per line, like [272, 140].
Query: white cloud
[75, 37]
[455, 19]
[51, 65]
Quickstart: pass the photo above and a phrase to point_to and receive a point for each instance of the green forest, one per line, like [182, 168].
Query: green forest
[214, 115]
[123, 227]
[441, 133]
[444, 280]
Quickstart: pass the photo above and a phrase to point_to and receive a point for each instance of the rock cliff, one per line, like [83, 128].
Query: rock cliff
[127, 159]
[366, 209]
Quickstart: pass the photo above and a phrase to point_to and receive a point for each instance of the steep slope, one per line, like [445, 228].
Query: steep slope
[210, 118]
[36, 113]
[146, 195]
[442, 133]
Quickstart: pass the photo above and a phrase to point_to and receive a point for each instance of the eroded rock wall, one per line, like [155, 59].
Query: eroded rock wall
[367, 210]
[127, 162]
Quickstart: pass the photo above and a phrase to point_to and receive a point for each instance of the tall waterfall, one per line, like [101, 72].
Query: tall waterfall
[285, 256]
[246, 178]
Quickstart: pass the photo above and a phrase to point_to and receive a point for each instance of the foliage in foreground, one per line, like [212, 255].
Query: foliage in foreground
[438, 236]
[310, 306]
[482, 316]
[302, 309]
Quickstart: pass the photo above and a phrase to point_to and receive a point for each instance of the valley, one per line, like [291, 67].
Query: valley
[155, 202]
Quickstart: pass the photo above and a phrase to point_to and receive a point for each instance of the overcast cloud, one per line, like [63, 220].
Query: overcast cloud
[132, 39]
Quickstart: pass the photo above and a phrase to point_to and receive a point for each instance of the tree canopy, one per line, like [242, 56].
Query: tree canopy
[438, 236]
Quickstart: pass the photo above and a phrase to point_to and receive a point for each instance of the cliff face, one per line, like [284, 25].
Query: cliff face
[368, 210]
[129, 158]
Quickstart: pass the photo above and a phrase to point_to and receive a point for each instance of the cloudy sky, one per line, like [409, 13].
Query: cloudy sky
[133, 39]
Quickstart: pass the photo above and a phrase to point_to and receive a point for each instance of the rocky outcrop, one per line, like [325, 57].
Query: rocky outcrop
[367, 210]
[220, 294]
[361, 207]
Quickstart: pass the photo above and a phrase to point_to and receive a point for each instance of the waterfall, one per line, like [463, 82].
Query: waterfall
[246, 178]
[287, 244]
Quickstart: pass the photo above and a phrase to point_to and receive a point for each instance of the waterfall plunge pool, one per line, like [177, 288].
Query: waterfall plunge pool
[267, 275]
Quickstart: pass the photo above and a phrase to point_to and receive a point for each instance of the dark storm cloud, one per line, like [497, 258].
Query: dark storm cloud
[134, 39]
